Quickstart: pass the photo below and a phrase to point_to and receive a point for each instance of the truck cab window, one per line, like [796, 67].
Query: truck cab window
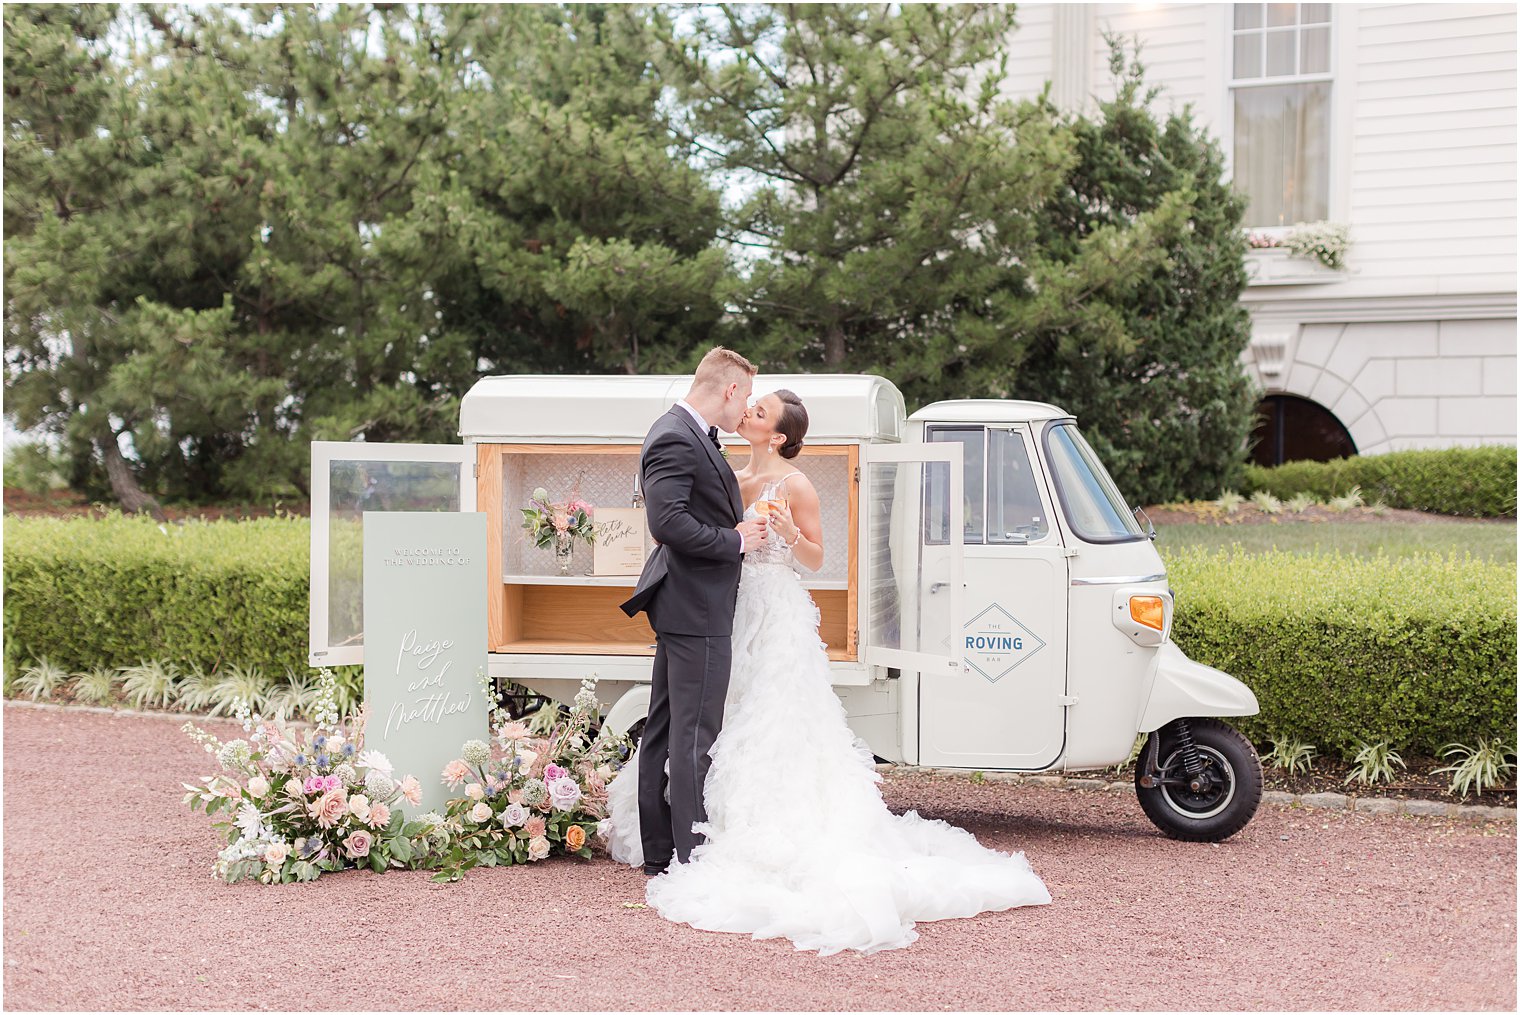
[1014, 511]
[1091, 502]
[974, 455]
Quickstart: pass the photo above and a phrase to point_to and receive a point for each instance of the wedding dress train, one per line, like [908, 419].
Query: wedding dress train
[799, 842]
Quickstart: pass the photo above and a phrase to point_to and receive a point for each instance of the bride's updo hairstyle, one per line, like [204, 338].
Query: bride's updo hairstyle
[793, 424]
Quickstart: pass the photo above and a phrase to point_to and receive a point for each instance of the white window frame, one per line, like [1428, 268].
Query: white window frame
[948, 662]
[320, 651]
[1341, 26]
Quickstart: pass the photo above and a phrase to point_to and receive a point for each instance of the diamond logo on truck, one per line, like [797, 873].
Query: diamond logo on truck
[997, 643]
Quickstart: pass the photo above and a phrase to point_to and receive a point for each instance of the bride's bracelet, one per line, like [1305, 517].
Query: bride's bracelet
[795, 539]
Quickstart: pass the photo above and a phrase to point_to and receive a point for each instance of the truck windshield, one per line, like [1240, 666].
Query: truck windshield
[1094, 507]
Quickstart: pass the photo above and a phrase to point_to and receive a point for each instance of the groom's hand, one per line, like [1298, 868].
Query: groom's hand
[752, 532]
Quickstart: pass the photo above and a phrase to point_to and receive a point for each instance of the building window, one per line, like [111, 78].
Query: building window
[1280, 89]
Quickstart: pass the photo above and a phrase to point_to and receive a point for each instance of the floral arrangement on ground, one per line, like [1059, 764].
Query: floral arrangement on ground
[294, 804]
[535, 790]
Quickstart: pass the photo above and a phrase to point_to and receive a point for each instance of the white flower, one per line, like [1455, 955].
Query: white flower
[376, 762]
[526, 757]
[475, 791]
[475, 752]
[379, 785]
[347, 773]
[234, 754]
[358, 806]
[564, 794]
[250, 822]
[276, 853]
[480, 812]
[514, 815]
[258, 786]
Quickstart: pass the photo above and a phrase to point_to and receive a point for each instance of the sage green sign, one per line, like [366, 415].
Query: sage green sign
[424, 640]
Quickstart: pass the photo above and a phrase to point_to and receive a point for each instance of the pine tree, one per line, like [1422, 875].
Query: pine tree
[1169, 408]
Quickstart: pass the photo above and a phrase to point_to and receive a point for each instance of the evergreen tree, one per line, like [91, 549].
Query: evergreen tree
[1169, 408]
[893, 194]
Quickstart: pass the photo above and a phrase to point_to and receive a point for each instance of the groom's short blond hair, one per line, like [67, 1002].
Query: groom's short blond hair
[722, 367]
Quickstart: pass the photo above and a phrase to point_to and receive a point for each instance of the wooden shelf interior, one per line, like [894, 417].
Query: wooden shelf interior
[586, 620]
[560, 617]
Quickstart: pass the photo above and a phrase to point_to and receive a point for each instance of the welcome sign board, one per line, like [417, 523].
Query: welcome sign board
[424, 640]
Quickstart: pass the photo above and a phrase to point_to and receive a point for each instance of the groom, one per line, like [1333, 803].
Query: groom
[688, 589]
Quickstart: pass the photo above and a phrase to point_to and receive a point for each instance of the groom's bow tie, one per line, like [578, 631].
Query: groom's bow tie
[712, 435]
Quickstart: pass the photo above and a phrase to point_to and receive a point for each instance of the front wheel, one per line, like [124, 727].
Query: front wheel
[1198, 780]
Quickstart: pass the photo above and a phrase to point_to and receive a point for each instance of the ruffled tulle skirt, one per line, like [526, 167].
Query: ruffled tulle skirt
[799, 842]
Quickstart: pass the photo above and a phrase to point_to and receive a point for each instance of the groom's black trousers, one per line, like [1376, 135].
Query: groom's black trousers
[685, 713]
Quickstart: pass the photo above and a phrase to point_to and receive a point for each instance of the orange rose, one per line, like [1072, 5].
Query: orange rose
[575, 837]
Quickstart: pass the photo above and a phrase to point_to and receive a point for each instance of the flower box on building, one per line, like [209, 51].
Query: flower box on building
[1279, 266]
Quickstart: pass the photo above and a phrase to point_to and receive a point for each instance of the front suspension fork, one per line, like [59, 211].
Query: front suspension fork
[1187, 751]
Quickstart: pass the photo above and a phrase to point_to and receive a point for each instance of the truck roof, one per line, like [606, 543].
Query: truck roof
[988, 410]
[552, 406]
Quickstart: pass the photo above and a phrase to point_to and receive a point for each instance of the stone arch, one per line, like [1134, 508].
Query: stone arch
[1294, 428]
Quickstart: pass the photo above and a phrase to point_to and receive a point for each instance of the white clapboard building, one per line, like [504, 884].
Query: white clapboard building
[1396, 121]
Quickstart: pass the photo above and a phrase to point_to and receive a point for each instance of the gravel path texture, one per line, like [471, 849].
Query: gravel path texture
[108, 904]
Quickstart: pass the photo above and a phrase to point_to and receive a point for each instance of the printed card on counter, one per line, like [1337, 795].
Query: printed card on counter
[621, 534]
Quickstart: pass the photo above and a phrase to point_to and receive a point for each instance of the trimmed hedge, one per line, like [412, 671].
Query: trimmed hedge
[1416, 651]
[119, 590]
[1478, 482]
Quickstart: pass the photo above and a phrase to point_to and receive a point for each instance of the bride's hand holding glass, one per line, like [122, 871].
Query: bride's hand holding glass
[781, 522]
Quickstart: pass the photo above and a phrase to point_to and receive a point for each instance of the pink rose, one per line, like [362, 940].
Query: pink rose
[329, 808]
[552, 772]
[411, 789]
[480, 812]
[357, 845]
[379, 815]
[314, 784]
[538, 848]
[275, 855]
[455, 772]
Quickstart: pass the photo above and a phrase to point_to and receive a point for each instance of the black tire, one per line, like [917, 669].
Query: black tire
[1230, 794]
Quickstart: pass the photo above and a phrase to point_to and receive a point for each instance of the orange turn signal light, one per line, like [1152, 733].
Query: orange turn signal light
[1149, 611]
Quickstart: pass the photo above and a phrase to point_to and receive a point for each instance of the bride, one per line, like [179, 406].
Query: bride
[799, 843]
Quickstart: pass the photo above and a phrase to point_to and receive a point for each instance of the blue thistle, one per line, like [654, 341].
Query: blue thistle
[321, 761]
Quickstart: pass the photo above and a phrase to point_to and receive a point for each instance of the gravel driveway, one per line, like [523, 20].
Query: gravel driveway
[108, 904]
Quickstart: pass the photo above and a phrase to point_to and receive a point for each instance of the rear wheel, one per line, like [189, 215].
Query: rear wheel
[1198, 780]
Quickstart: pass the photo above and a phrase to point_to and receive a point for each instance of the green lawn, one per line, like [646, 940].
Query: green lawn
[1494, 541]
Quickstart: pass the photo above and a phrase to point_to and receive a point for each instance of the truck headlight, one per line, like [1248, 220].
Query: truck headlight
[1148, 611]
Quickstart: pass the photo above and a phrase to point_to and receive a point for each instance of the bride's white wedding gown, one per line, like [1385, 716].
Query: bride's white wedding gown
[799, 842]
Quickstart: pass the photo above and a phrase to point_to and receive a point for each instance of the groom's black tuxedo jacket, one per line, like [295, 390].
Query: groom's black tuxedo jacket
[692, 503]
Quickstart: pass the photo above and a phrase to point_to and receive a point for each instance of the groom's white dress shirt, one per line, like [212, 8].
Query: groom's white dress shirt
[702, 424]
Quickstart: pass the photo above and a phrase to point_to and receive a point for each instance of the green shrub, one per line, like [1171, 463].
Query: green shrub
[116, 591]
[1477, 482]
[1416, 651]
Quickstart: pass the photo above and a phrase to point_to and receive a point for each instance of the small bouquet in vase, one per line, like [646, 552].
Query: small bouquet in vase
[558, 524]
[538, 788]
[294, 804]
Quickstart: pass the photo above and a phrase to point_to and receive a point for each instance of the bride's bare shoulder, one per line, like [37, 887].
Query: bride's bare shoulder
[796, 482]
